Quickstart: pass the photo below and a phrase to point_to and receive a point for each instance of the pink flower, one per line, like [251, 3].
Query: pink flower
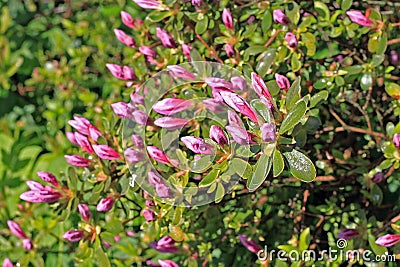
[239, 104]
[34, 196]
[165, 245]
[137, 141]
[150, 203]
[35, 186]
[198, 145]
[71, 138]
[85, 212]
[234, 119]
[16, 229]
[149, 215]
[94, 133]
[186, 50]
[259, 86]
[179, 72]
[124, 38]
[359, 18]
[127, 19]
[74, 235]
[27, 244]
[347, 234]
[230, 52]
[148, 4]
[227, 19]
[268, 132]
[141, 117]
[165, 38]
[81, 124]
[83, 142]
[136, 98]
[48, 177]
[171, 123]
[240, 135]
[158, 183]
[133, 156]
[282, 82]
[77, 161]
[121, 72]
[290, 38]
[213, 105]
[7, 263]
[197, 3]
[106, 152]
[157, 154]
[280, 17]
[396, 140]
[378, 177]
[122, 109]
[168, 263]
[105, 204]
[218, 135]
[251, 245]
[147, 51]
[170, 106]
[388, 240]
[239, 84]
[218, 83]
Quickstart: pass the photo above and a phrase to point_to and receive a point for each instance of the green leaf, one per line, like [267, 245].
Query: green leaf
[382, 44]
[352, 70]
[265, 61]
[309, 40]
[346, 4]
[254, 50]
[366, 81]
[318, 97]
[273, 87]
[293, 117]
[201, 165]
[209, 178]
[242, 168]
[295, 63]
[304, 239]
[262, 109]
[102, 258]
[378, 250]
[393, 89]
[263, 166]
[156, 15]
[377, 60]
[322, 10]
[293, 94]
[219, 194]
[300, 165]
[266, 22]
[202, 25]
[278, 163]
[294, 13]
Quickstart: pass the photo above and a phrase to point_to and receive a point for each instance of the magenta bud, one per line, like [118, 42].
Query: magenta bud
[282, 82]
[141, 117]
[394, 57]
[170, 106]
[227, 19]
[74, 235]
[239, 104]
[359, 18]
[150, 203]
[27, 244]
[396, 140]
[280, 17]
[290, 38]
[105, 204]
[234, 119]
[239, 84]
[121, 72]
[218, 83]
[157, 154]
[47, 196]
[186, 50]
[136, 98]
[250, 244]
[48, 177]
[7, 263]
[197, 3]
[240, 135]
[268, 132]
[230, 52]
[124, 38]
[77, 161]
[250, 20]
[148, 4]
[85, 212]
[165, 245]
[35, 186]
[149, 215]
[218, 135]
[71, 138]
[378, 177]
[137, 141]
[165, 38]
[147, 51]
[198, 145]
[168, 263]
[171, 123]
[179, 72]
[259, 86]
[133, 156]
[213, 105]
[94, 133]
[81, 124]
[16, 229]
[347, 234]
[106, 152]
[388, 240]
[127, 19]
[121, 109]
[83, 142]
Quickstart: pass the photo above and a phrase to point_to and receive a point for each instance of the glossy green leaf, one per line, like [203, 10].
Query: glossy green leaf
[202, 25]
[262, 109]
[309, 40]
[102, 258]
[156, 15]
[304, 239]
[265, 61]
[219, 194]
[209, 178]
[293, 117]
[201, 165]
[366, 81]
[346, 4]
[322, 10]
[242, 168]
[293, 94]
[382, 44]
[393, 89]
[300, 165]
[377, 60]
[294, 13]
[263, 166]
[378, 250]
[266, 22]
[295, 63]
[278, 163]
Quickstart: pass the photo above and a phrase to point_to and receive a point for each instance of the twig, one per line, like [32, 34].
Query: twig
[393, 41]
[272, 38]
[212, 50]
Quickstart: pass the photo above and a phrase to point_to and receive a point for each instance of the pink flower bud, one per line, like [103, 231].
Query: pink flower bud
[230, 52]
[218, 83]
[121, 72]
[378, 177]
[77, 161]
[168, 263]
[280, 17]
[250, 20]
[213, 105]
[124, 38]
[282, 82]
[227, 19]
[239, 84]
[259, 86]
[234, 119]
[388, 240]
[106, 152]
[27, 244]
[7, 263]
[81, 124]
[94, 133]
[136, 98]
[149, 215]
[71, 138]
[85, 212]
[127, 19]
[179, 72]
[35, 186]
[347, 234]
[165, 245]
[396, 140]
[218, 135]
[197, 3]
[83, 142]
[122, 109]
[105, 204]
[148, 4]
[133, 156]
[137, 141]
[198, 145]
[251, 245]
[48, 177]
[359, 18]
[239, 104]
[171, 123]
[268, 132]
[147, 51]
[74, 235]
[240, 135]
[186, 50]
[141, 117]
[43, 196]
[394, 57]
[290, 38]
[150, 203]
[165, 38]
[157, 154]
[170, 106]
[16, 229]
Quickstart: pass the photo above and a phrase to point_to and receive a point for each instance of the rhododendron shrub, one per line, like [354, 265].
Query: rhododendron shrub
[241, 128]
